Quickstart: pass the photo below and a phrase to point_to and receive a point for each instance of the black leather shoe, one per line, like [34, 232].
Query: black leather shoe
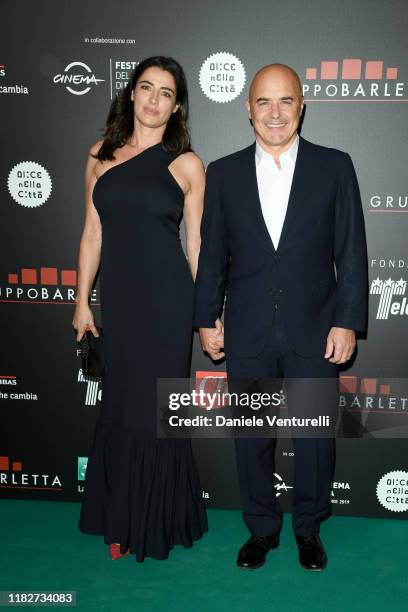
[253, 553]
[312, 555]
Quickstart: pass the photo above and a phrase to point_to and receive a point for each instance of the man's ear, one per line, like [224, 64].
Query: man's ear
[248, 107]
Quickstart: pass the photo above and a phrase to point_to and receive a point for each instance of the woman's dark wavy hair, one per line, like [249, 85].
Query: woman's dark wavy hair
[120, 121]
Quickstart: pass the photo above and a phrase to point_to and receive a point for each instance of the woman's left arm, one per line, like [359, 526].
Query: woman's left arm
[194, 173]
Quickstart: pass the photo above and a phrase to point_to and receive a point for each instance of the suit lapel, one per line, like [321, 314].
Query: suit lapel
[301, 183]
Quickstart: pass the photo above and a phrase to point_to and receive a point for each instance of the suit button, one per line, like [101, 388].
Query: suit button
[276, 305]
[280, 290]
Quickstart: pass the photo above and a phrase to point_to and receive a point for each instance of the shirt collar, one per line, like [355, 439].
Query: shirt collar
[289, 155]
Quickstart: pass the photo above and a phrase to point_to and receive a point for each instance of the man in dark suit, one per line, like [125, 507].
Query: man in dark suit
[283, 234]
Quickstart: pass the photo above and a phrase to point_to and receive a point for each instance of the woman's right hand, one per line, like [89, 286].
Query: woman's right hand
[83, 321]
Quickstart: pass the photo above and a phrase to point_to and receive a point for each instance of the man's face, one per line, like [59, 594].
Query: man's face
[275, 106]
[154, 97]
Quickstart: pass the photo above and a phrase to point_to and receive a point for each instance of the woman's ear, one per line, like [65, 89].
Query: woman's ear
[176, 108]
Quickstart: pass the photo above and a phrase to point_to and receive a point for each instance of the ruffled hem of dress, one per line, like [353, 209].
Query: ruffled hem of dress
[142, 492]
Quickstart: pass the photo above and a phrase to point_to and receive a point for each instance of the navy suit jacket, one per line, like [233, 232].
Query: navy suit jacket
[317, 277]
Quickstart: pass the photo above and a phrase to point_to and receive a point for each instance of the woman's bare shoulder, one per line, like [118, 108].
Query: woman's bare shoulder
[191, 163]
[93, 164]
[93, 150]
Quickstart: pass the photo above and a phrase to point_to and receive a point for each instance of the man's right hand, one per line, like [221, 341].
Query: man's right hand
[212, 340]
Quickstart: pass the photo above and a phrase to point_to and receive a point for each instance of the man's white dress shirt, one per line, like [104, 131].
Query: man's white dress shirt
[274, 186]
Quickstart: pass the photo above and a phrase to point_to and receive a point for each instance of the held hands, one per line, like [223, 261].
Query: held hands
[212, 340]
[84, 321]
[340, 345]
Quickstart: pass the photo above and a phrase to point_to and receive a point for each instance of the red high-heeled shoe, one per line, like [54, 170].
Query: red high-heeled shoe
[114, 551]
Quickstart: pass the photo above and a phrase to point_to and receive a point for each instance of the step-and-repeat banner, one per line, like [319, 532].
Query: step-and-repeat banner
[61, 64]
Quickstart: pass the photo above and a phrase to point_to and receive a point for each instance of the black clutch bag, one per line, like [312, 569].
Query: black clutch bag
[92, 354]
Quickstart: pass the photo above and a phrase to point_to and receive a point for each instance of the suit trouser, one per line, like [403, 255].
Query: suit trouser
[314, 457]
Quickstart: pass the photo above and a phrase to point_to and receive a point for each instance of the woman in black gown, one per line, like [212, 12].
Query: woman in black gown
[142, 493]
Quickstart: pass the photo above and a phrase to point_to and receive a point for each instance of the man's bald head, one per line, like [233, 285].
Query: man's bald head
[276, 71]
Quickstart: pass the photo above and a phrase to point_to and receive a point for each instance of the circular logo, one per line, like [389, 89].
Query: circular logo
[77, 78]
[222, 77]
[392, 491]
[29, 184]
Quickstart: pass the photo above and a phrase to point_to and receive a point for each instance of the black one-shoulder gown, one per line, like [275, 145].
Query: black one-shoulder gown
[141, 491]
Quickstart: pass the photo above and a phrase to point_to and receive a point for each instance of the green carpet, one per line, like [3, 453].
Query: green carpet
[42, 549]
